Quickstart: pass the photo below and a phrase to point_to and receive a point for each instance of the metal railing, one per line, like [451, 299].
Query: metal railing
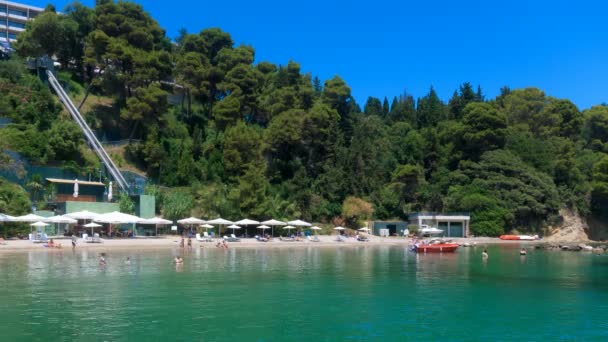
[91, 138]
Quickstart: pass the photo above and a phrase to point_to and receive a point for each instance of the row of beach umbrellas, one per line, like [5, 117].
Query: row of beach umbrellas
[122, 218]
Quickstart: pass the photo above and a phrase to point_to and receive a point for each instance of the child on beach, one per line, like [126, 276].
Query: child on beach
[181, 243]
[189, 243]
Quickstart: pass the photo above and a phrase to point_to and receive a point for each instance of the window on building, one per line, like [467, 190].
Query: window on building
[17, 12]
[16, 24]
[3, 10]
[12, 36]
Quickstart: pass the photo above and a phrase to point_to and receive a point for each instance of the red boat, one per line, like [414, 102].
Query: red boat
[518, 237]
[436, 248]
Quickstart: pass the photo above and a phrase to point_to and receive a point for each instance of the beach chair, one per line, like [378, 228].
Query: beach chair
[96, 238]
[208, 237]
[340, 238]
[199, 238]
[261, 239]
[231, 238]
[287, 239]
[315, 239]
[86, 238]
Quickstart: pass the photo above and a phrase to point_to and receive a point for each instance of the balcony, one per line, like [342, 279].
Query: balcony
[16, 29]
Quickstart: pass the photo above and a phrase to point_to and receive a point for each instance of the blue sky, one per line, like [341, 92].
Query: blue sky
[385, 47]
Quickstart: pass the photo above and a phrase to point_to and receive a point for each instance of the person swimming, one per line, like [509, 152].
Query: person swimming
[523, 251]
[178, 260]
[102, 259]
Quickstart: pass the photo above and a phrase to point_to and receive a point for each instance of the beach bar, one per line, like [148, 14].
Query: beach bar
[452, 224]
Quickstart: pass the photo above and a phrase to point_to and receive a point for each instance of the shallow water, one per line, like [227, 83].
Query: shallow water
[315, 294]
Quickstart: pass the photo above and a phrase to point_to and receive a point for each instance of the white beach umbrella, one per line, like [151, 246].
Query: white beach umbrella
[272, 223]
[263, 227]
[28, 218]
[206, 226]
[116, 217]
[191, 221]
[75, 188]
[363, 229]
[156, 221]
[92, 225]
[315, 228]
[59, 219]
[83, 215]
[220, 222]
[289, 227]
[339, 228]
[233, 227]
[39, 224]
[299, 223]
[110, 191]
[6, 218]
[246, 222]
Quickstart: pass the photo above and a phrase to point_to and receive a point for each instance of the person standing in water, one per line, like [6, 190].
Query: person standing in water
[181, 243]
[484, 254]
[189, 243]
[74, 241]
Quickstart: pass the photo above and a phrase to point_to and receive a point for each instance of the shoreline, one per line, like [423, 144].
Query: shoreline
[173, 242]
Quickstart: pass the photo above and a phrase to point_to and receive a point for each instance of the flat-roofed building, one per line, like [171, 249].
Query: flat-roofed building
[452, 224]
[13, 16]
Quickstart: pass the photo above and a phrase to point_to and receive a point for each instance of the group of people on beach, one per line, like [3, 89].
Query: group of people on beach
[181, 243]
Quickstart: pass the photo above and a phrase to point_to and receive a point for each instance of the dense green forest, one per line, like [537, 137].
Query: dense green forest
[220, 133]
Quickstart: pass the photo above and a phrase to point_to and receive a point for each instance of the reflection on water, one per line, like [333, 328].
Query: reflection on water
[358, 292]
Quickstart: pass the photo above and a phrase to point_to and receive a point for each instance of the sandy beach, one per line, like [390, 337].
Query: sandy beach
[173, 242]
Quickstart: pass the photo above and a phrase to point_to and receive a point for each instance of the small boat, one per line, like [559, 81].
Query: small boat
[519, 237]
[435, 247]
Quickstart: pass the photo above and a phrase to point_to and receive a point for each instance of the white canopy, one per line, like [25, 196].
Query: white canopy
[28, 218]
[316, 228]
[339, 228]
[289, 227]
[206, 225]
[156, 220]
[263, 227]
[274, 222]
[39, 224]
[364, 229]
[82, 215]
[116, 217]
[92, 225]
[246, 222]
[220, 221]
[299, 223]
[234, 226]
[191, 220]
[6, 218]
[61, 219]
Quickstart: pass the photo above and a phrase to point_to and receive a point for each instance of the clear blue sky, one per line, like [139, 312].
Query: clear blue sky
[384, 47]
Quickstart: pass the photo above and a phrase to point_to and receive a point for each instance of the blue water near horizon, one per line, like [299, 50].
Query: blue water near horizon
[364, 293]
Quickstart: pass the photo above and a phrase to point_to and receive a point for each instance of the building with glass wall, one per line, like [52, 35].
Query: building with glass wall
[13, 17]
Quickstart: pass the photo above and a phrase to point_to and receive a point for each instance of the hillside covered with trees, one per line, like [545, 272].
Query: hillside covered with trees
[221, 133]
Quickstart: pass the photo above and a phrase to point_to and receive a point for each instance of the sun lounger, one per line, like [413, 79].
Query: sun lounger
[261, 239]
[96, 238]
[287, 239]
[231, 238]
[199, 238]
[38, 238]
[86, 238]
[340, 238]
[362, 238]
[207, 237]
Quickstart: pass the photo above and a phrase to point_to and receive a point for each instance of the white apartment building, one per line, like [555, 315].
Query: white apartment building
[13, 17]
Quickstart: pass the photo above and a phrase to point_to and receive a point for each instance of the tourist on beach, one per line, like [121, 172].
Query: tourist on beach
[181, 243]
[225, 244]
[73, 241]
[51, 243]
[189, 243]
[484, 254]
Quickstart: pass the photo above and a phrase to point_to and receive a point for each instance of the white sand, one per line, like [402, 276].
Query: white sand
[173, 241]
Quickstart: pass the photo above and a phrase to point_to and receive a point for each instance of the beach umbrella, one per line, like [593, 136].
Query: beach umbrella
[59, 219]
[246, 222]
[28, 218]
[5, 218]
[110, 191]
[206, 226]
[272, 223]
[263, 227]
[75, 188]
[39, 224]
[340, 229]
[92, 225]
[315, 228]
[191, 221]
[299, 223]
[156, 221]
[233, 227]
[116, 217]
[288, 227]
[220, 222]
[364, 229]
[82, 215]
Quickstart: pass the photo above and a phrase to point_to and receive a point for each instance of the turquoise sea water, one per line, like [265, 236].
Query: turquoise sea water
[304, 294]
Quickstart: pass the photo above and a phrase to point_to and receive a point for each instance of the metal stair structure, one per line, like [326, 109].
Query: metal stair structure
[91, 138]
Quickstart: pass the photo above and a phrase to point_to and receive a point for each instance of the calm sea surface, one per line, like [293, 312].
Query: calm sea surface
[304, 294]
